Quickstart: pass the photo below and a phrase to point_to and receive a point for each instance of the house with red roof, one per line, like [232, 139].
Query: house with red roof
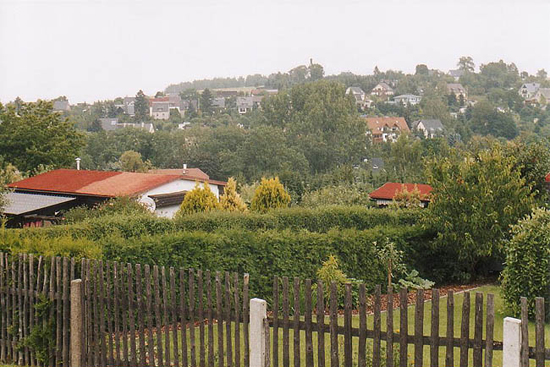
[162, 191]
[386, 129]
[385, 194]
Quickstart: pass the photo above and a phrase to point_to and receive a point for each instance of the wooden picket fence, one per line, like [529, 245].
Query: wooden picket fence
[143, 316]
[385, 345]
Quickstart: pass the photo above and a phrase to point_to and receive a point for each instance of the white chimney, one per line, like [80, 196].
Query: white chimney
[184, 168]
[78, 163]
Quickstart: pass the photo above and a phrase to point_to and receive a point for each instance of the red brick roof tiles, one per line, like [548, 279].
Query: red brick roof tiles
[389, 189]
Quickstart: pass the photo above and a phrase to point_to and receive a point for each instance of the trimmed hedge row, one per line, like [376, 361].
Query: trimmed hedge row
[314, 220]
[264, 254]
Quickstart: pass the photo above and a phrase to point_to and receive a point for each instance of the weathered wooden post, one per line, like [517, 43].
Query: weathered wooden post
[257, 332]
[76, 323]
[511, 353]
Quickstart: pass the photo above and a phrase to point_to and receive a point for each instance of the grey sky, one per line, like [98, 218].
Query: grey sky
[96, 50]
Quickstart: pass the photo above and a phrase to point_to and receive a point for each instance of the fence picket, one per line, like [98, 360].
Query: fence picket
[166, 317]
[200, 291]
[296, 322]
[389, 327]
[286, 345]
[246, 279]
[131, 316]
[320, 325]
[434, 338]
[275, 352]
[478, 329]
[237, 320]
[174, 311]
[347, 327]
[191, 314]
[419, 329]
[309, 327]
[219, 311]
[539, 331]
[158, 319]
[229, 348]
[449, 348]
[141, 321]
[334, 360]
[489, 330]
[362, 348]
[403, 327]
[109, 315]
[150, 322]
[465, 330]
[210, 316]
[377, 324]
[183, 317]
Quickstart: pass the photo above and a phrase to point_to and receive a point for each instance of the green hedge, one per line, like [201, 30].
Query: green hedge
[314, 220]
[264, 254]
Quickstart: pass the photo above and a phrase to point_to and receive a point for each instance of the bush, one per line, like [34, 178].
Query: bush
[527, 271]
[125, 206]
[230, 200]
[336, 195]
[198, 200]
[270, 195]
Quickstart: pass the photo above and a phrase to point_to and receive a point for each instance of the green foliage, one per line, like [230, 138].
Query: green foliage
[474, 201]
[35, 135]
[527, 271]
[123, 206]
[42, 339]
[131, 161]
[487, 120]
[336, 195]
[270, 194]
[413, 281]
[230, 200]
[141, 106]
[198, 200]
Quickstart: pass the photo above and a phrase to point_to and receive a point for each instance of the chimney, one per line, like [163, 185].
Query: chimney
[184, 168]
[78, 163]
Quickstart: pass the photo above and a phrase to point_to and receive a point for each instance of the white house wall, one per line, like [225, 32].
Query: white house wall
[173, 187]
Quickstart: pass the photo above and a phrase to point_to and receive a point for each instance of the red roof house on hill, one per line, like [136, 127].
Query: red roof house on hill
[385, 194]
[384, 129]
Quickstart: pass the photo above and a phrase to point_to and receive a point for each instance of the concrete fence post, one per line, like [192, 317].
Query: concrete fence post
[76, 323]
[511, 353]
[257, 332]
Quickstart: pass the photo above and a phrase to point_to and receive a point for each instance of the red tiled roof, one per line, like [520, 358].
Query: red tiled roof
[191, 173]
[378, 123]
[548, 177]
[389, 189]
[94, 183]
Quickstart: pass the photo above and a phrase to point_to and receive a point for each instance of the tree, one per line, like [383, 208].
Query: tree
[487, 120]
[131, 161]
[542, 75]
[421, 69]
[36, 135]
[270, 194]
[527, 261]
[407, 199]
[198, 200]
[473, 203]
[230, 200]
[141, 106]
[316, 72]
[206, 101]
[466, 63]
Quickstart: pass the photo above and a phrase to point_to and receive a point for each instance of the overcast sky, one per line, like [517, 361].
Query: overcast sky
[96, 50]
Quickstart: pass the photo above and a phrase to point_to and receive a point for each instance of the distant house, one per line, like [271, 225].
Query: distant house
[542, 96]
[431, 128]
[528, 90]
[218, 103]
[458, 90]
[361, 99]
[160, 110]
[408, 99]
[128, 105]
[40, 199]
[61, 106]
[386, 129]
[385, 194]
[112, 124]
[456, 74]
[382, 90]
[247, 104]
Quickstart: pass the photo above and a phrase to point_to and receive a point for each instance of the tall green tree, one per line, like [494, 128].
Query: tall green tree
[473, 203]
[487, 120]
[36, 135]
[466, 63]
[141, 106]
[206, 101]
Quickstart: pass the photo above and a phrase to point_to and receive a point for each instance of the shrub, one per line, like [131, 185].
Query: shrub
[124, 205]
[198, 200]
[336, 195]
[527, 271]
[270, 195]
[230, 200]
